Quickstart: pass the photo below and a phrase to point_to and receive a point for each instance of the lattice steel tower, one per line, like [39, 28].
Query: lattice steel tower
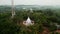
[13, 11]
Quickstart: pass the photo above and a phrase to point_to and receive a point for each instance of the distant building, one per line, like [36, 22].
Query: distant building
[58, 26]
[31, 10]
[24, 8]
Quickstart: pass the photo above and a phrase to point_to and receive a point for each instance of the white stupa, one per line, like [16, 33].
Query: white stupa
[28, 22]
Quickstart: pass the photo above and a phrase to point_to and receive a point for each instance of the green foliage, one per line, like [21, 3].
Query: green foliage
[41, 19]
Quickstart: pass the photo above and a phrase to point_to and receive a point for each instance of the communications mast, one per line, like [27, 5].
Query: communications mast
[13, 12]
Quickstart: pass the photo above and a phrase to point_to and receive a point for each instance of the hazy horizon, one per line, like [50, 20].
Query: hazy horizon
[31, 2]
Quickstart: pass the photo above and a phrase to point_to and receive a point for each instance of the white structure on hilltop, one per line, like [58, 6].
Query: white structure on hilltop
[31, 10]
[28, 22]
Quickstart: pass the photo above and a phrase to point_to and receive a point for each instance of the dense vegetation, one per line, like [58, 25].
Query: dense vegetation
[42, 19]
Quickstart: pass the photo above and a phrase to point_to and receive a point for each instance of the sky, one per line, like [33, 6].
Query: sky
[30, 2]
